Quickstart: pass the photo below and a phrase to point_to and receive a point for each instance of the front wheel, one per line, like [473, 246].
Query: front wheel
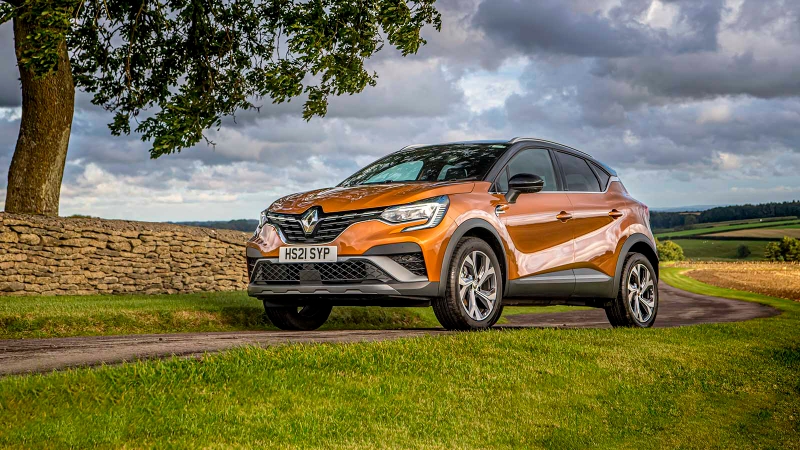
[473, 299]
[636, 304]
[298, 318]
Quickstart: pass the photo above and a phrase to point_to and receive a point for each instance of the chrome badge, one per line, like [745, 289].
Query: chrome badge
[309, 221]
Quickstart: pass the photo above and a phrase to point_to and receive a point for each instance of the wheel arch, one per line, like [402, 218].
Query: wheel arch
[636, 243]
[481, 229]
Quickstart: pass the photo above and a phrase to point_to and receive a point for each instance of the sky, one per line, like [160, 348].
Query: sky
[692, 102]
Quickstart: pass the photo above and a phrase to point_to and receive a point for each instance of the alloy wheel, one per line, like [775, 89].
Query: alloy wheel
[641, 293]
[477, 285]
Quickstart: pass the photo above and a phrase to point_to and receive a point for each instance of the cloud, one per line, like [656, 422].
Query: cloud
[691, 99]
[557, 27]
[10, 94]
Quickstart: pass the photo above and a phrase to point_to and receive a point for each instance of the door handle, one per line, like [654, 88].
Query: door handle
[564, 216]
[615, 214]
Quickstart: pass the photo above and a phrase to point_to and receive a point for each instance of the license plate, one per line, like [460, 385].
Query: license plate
[307, 254]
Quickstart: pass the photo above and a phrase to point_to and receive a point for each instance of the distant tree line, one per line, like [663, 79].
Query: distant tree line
[660, 220]
[238, 225]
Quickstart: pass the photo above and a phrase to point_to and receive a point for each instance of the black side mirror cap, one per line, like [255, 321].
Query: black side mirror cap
[523, 183]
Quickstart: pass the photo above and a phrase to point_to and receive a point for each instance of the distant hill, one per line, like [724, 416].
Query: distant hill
[687, 208]
[238, 224]
[664, 220]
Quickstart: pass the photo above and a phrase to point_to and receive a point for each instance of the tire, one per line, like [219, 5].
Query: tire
[469, 305]
[303, 318]
[635, 308]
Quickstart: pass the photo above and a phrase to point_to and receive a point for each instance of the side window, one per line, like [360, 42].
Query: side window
[578, 176]
[602, 175]
[535, 162]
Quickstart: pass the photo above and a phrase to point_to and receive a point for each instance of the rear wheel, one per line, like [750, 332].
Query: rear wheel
[636, 304]
[298, 318]
[473, 299]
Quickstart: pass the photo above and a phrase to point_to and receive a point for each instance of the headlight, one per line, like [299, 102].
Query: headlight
[431, 210]
[261, 222]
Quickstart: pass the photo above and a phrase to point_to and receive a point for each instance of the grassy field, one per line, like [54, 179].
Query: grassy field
[721, 228]
[729, 222]
[774, 279]
[773, 233]
[698, 249]
[41, 317]
[729, 385]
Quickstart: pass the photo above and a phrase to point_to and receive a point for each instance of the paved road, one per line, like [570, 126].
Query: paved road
[676, 308]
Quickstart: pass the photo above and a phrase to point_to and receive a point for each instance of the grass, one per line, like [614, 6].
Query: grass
[728, 222]
[61, 316]
[719, 229]
[699, 249]
[729, 385]
[760, 233]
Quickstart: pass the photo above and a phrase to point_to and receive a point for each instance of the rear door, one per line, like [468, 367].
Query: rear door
[596, 222]
[539, 229]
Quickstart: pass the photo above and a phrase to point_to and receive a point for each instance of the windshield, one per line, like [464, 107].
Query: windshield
[435, 163]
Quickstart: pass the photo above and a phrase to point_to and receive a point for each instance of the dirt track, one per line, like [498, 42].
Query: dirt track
[677, 308]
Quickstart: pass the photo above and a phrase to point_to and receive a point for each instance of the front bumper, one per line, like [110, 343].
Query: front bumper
[388, 283]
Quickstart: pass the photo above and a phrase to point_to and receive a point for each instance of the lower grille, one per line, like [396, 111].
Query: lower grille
[251, 264]
[413, 262]
[353, 271]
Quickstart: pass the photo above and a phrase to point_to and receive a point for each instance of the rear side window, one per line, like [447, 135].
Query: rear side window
[602, 175]
[534, 162]
[578, 176]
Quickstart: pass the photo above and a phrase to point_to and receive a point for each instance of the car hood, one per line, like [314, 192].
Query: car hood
[352, 198]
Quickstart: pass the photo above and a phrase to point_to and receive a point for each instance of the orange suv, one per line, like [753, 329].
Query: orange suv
[467, 228]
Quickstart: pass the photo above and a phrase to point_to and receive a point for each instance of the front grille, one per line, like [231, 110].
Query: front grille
[330, 225]
[413, 262]
[353, 271]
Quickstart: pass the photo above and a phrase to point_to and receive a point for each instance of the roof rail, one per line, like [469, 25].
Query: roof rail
[408, 147]
[523, 139]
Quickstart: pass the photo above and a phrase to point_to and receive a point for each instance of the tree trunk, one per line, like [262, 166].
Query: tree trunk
[34, 179]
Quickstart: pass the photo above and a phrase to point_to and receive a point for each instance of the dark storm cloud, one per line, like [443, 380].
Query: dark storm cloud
[684, 91]
[553, 26]
[707, 75]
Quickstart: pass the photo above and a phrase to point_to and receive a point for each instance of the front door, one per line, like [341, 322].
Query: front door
[540, 230]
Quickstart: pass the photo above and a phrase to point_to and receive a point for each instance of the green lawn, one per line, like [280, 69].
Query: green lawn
[26, 317]
[711, 249]
[720, 229]
[732, 385]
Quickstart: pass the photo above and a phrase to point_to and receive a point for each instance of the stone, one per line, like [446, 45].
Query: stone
[30, 239]
[9, 236]
[122, 246]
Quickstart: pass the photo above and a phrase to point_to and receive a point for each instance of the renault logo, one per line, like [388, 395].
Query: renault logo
[309, 220]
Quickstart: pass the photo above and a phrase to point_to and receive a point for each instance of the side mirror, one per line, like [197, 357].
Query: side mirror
[523, 183]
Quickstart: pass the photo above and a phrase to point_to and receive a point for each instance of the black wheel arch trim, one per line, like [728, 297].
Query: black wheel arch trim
[460, 232]
[632, 240]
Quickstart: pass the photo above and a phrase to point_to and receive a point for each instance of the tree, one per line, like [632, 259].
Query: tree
[669, 251]
[175, 68]
[787, 249]
[742, 251]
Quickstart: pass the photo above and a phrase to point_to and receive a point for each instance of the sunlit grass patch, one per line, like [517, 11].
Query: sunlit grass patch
[719, 385]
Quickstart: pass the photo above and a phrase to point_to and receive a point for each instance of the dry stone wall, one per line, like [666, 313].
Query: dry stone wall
[80, 256]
